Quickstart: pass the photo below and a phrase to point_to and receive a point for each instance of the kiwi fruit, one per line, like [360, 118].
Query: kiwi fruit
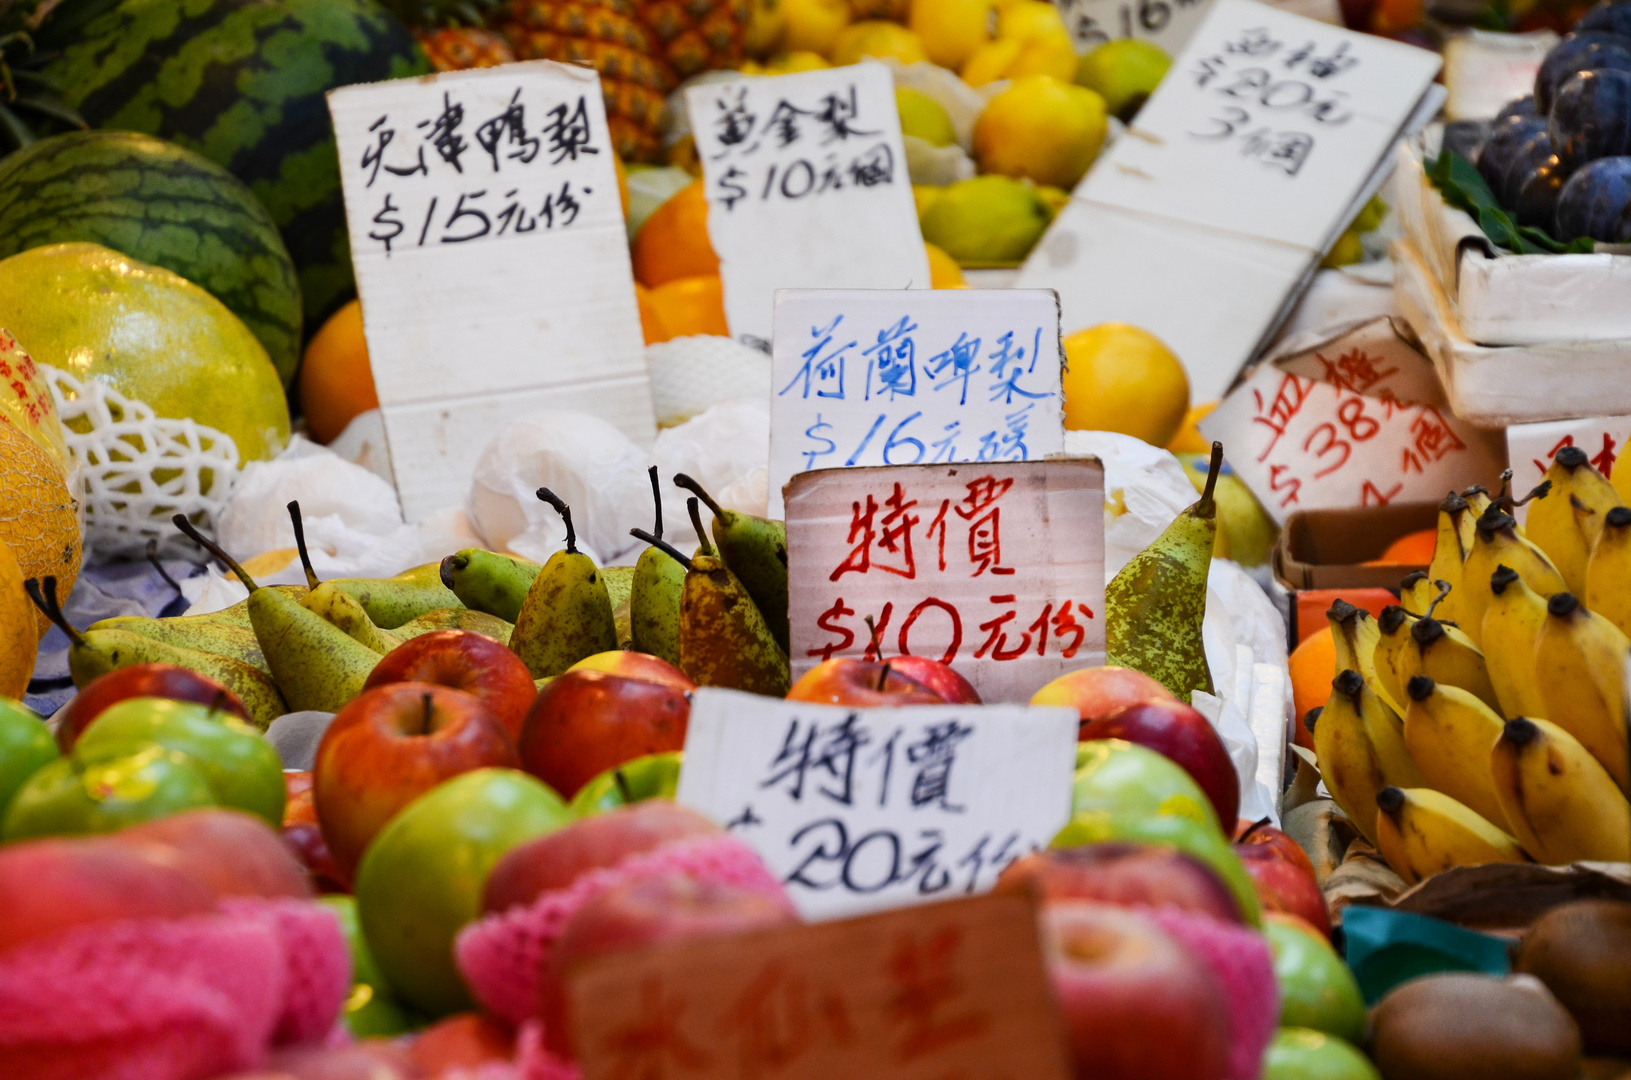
[1582, 952]
[1461, 1026]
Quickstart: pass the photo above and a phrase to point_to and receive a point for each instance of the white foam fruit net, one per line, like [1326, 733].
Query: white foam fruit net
[138, 469]
[690, 375]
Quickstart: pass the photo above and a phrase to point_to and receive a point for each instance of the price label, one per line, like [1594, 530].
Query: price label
[1168, 23]
[996, 569]
[913, 377]
[807, 188]
[1531, 447]
[862, 809]
[488, 242]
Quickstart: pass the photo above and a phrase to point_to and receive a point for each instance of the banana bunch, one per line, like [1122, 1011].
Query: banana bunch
[1482, 718]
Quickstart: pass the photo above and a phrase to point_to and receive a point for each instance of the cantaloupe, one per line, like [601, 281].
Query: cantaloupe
[38, 521]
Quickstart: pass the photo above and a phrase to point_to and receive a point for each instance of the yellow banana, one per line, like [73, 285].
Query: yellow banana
[1498, 543]
[1346, 760]
[1511, 626]
[1420, 831]
[1477, 498]
[1448, 552]
[1608, 572]
[1393, 638]
[1580, 666]
[1449, 733]
[1566, 520]
[1416, 593]
[1557, 800]
[1384, 728]
[1355, 636]
[1621, 481]
[1448, 657]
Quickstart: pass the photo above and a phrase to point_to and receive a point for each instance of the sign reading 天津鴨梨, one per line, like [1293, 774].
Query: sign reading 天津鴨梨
[491, 259]
[807, 187]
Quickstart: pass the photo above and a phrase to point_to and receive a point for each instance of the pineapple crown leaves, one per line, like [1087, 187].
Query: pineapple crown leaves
[418, 14]
[30, 103]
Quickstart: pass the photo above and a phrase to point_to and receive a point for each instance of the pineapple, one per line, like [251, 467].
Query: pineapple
[698, 35]
[460, 48]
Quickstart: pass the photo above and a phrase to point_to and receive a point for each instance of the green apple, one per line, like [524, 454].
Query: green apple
[1304, 1054]
[71, 797]
[1204, 842]
[421, 878]
[371, 1009]
[654, 776]
[1316, 988]
[26, 746]
[242, 769]
[1122, 777]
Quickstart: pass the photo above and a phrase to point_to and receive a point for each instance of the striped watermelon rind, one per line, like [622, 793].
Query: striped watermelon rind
[242, 82]
[154, 201]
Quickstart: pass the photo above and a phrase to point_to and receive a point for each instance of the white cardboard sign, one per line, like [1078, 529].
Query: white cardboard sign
[1348, 417]
[995, 568]
[913, 377]
[857, 810]
[807, 187]
[1203, 222]
[492, 262]
[1168, 23]
[1531, 447]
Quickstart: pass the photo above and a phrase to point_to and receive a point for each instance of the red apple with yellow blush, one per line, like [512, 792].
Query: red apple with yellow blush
[467, 661]
[585, 722]
[863, 684]
[1097, 692]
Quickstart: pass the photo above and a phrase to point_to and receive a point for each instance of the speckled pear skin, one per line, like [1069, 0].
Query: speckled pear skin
[755, 549]
[342, 610]
[315, 664]
[1154, 606]
[390, 602]
[724, 640]
[489, 581]
[566, 616]
[654, 605]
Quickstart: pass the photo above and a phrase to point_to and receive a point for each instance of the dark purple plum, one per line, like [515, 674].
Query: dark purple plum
[1516, 149]
[1523, 108]
[1596, 202]
[1535, 200]
[1611, 16]
[1588, 50]
[1591, 117]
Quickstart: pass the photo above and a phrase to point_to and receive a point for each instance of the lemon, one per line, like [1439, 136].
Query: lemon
[924, 195]
[1042, 129]
[1027, 19]
[1054, 197]
[790, 62]
[812, 25]
[944, 273]
[151, 335]
[764, 28]
[986, 221]
[991, 62]
[1124, 73]
[875, 37]
[952, 29]
[1121, 378]
[1052, 55]
[923, 116]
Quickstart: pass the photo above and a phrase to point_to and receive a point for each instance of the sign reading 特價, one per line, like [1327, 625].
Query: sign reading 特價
[861, 809]
[492, 262]
[807, 187]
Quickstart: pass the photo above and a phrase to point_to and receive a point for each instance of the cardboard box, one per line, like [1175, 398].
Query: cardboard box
[1325, 549]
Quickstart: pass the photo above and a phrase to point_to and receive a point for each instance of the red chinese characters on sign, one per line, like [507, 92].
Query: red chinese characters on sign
[1430, 440]
[1279, 411]
[1603, 461]
[1355, 371]
[21, 375]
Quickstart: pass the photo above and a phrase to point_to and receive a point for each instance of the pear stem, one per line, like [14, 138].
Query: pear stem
[684, 481]
[1205, 506]
[622, 781]
[662, 545]
[190, 531]
[153, 558]
[47, 603]
[657, 498]
[696, 523]
[300, 543]
[566, 515]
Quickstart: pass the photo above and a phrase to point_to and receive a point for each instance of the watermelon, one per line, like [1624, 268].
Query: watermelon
[156, 202]
[242, 83]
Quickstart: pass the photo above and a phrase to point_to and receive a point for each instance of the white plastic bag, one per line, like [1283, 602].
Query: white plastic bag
[722, 449]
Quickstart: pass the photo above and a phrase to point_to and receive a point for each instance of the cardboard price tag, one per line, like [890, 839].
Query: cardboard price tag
[996, 569]
[492, 262]
[807, 187]
[861, 809]
[1531, 447]
[951, 990]
[1168, 23]
[913, 377]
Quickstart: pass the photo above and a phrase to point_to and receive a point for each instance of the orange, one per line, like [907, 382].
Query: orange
[622, 184]
[690, 305]
[336, 382]
[673, 243]
[651, 324]
[1411, 549]
[1313, 666]
[1189, 439]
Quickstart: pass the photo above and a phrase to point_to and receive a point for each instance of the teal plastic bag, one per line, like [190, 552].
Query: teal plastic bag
[1385, 948]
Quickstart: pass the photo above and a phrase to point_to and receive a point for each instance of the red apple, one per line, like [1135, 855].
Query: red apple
[234, 853]
[1136, 1005]
[462, 1041]
[299, 805]
[1095, 693]
[1126, 875]
[1170, 727]
[555, 860]
[1261, 832]
[585, 722]
[142, 680]
[390, 745]
[660, 909]
[1284, 882]
[636, 665]
[846, 680]
[938, 677]
[466, 661]
[305, 839]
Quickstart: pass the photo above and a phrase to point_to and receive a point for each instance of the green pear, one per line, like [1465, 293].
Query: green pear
[201, 633]
[654, 604]
[755, 549]
[1246, 533]
[568, 613]
[478, 622]
[1154, 607]
[71, 797]
[26, 746]
[489, 581]
[341, 610]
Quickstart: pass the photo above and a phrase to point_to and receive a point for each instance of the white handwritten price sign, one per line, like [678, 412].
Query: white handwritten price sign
[807, 187]
[994, 568]
[1531, 447]
[487, 236]
[1168, 23]
[1209, 218]
[1352, 417]
[913, 377]
[862, 809]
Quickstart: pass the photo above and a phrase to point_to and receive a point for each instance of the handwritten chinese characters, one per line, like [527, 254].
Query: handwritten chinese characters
[807, 187]
[1531, 447]
[862, 809]
[953, 990]
[1169, 23]
[996, 569]
[913, 378]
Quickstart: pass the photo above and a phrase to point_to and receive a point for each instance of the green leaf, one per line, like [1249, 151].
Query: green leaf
[1459, 182]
